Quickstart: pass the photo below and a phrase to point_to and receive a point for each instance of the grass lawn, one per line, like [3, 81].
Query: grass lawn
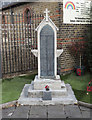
[79, 86]
[11, 88]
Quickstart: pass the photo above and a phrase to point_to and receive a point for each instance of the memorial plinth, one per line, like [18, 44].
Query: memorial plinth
[47, 53]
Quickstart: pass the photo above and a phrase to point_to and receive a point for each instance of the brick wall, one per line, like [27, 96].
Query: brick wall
[67, 34]
[70, 33]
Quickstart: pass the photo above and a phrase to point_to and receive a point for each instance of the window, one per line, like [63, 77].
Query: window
[27, 16]
[12, 17]
[3, 19]
[27, 21]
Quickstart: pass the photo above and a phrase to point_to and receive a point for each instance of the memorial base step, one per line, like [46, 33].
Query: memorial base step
[38, 93]
[54, 84]
[66, 99]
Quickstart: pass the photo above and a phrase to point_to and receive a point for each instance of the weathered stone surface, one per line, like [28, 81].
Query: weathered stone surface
[72, 111]
[35, 52]
[54, 84]
[61, 112]
[84, 108]
[38, 112]
[56, 111]
[21, 112]
[46, 95]
[69, 99]
[86, 114]
[59, 52]
[8, 112]
[47, 52]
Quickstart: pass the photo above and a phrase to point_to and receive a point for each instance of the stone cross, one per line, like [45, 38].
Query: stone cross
[46, 12]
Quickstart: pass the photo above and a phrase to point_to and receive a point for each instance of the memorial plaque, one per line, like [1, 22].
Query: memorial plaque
[47, 51]
[47, 95]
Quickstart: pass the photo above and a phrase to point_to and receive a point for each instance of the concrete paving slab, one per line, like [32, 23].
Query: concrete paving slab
[38, 112]
[72, 111]
[86, 114]
[56, 111]
[91, 114]
[36, 117]
[57, 119]
[78, 119]
[21, 112]
[84, 108]
[8, 112]
[14, 119]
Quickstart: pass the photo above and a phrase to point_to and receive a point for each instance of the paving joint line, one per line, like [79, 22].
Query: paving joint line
[47, 111]
[80, 110]
[65, 113]
[28, 113]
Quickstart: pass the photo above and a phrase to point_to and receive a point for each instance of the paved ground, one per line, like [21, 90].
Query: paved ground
[66, 112]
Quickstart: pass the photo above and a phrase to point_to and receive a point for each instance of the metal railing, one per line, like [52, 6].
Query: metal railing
[18, 39]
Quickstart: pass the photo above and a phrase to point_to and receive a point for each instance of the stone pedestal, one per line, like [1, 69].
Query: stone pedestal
[54, 84]
[57, 87]
[35, 93]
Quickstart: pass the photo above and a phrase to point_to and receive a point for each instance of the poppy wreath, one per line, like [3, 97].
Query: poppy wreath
[89, 87]
[79, 71]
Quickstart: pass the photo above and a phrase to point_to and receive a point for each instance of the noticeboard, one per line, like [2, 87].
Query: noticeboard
[77, 12]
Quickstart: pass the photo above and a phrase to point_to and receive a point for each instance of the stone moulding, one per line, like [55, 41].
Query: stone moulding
[35, 52]
[58, 52]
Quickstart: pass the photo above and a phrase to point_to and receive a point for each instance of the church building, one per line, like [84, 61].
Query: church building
[19, 38]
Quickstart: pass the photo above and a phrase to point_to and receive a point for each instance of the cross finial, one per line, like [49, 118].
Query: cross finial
[46, 12]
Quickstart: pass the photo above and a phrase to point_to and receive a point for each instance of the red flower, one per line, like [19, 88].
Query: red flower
[47, 86]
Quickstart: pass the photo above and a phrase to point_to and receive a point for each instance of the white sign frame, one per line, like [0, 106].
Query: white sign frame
[77, 12]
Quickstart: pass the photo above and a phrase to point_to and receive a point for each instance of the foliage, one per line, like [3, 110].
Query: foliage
[78, 49]
[89, 49]
[79, 86]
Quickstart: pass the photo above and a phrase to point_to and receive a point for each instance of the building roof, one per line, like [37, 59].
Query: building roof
[5, 3]
[8, 3]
